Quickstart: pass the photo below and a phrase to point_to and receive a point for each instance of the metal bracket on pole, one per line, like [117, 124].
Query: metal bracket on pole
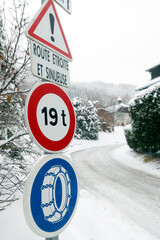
[54, 238]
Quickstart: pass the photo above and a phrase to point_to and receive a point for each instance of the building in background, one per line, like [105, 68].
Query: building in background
[120, 113]
[155, 78]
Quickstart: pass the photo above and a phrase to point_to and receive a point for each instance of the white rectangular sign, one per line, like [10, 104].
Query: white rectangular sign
[66, 4]
[48, 65]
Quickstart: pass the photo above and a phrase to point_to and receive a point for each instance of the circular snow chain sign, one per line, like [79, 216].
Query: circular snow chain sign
[49, 117]
[51, 195]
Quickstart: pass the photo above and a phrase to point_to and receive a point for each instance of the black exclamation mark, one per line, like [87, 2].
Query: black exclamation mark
[51, 18]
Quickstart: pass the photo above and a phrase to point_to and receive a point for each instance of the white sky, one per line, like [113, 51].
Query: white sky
[111, 40]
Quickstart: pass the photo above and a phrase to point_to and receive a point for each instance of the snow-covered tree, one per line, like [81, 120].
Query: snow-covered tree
[87, 123]
[144, 134]
[15, 145]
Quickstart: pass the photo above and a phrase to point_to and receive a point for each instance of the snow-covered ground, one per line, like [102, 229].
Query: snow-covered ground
[95, 218]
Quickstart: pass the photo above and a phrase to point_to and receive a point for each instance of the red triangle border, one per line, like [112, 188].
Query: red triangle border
[43, 41]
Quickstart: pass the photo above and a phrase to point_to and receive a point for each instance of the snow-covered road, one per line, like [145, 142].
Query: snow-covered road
[133, 192]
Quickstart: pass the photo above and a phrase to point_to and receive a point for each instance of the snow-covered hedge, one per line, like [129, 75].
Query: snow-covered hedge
[144, 134]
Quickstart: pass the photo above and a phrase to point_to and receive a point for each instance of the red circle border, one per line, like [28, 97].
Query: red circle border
[47, 144]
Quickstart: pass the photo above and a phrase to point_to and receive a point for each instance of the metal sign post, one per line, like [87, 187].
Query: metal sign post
[54, 238]
[57, 237]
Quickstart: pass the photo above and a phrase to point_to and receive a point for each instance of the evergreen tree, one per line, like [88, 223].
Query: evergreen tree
[87, 123]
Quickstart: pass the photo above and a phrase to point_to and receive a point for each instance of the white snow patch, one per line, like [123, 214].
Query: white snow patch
[104, 139]
[98, 219]
[134, 160]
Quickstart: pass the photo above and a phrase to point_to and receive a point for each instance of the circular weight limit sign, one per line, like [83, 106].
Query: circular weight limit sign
[50, 117]
[51, 195]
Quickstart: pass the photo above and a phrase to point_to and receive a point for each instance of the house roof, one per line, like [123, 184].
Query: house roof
[148, 84]
[150, 69]
[118, 108]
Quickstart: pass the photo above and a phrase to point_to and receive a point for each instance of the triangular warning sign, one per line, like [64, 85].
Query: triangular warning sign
[46, 29]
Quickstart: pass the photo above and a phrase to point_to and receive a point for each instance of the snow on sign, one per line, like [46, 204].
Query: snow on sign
[47, 65]
[50, 117]
[50, 195]
[65, 4]
[46, 29]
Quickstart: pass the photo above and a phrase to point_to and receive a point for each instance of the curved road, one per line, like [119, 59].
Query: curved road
[134, 192]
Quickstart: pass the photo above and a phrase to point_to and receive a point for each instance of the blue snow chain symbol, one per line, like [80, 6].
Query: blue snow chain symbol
[55, 194]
